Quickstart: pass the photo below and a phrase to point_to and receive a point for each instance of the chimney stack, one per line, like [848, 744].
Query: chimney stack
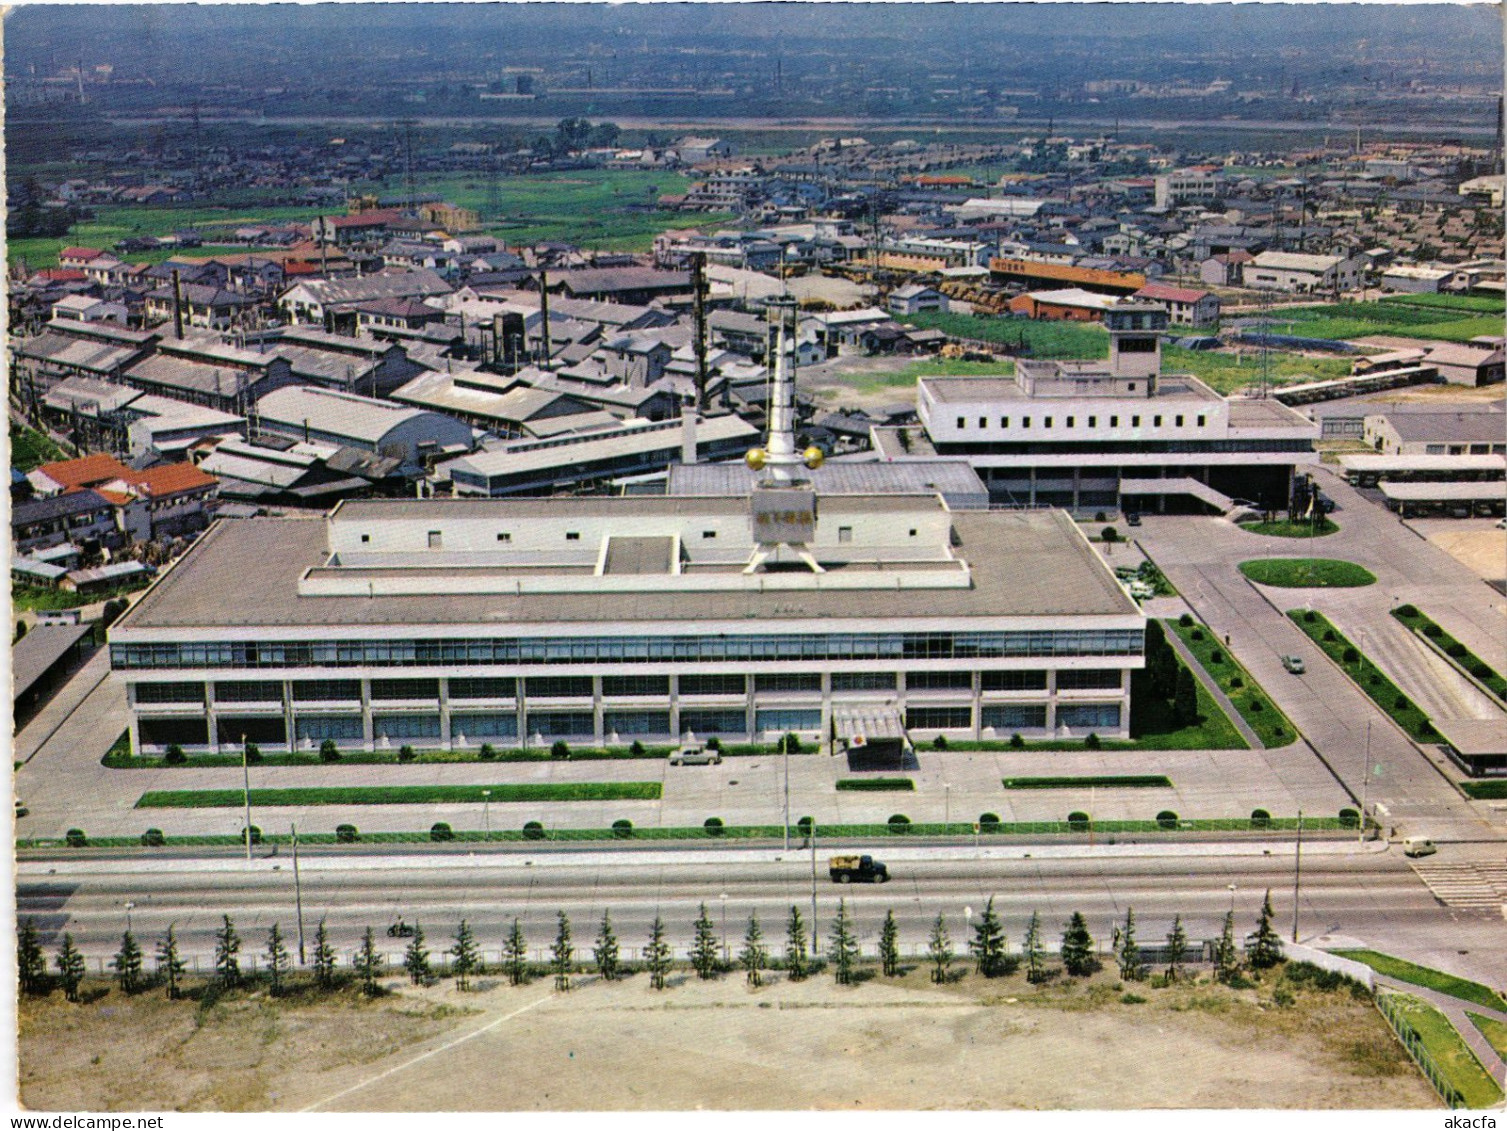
[177, 304]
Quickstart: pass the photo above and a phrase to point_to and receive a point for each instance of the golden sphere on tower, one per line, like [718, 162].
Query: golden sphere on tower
[815, 457]
[755, 459]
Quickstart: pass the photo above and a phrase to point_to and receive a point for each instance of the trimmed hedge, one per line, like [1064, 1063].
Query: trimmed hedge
[400, 795]
[875, 785]
[1124, 781]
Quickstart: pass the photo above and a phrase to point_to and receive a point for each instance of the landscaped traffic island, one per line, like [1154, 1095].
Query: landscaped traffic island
[400, 795]
[1295, 528]
[1307, 573]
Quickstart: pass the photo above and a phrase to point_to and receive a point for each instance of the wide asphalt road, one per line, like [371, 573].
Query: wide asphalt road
[1369, 895]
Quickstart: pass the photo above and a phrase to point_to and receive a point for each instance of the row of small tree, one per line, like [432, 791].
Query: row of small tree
[988, 946]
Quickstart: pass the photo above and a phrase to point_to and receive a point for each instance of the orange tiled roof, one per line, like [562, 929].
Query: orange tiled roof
[73, 474]
[170, 479]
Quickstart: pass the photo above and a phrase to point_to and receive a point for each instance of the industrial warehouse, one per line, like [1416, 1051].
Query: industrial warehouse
[449, 623]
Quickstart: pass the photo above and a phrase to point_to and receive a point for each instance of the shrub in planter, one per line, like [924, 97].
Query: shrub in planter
[988, 822]
[406, 753]
[328, 751]
[75, 838]
[256, 835]
[1099, 516]
[1257, 705]
[487, 752]
[1456, 650]
[440, 831]
[637, 749]
[622, 828]
[1166, 819]
[1408, 611]
[940, 742]
[792, 743]
[1310, 616]
[1426, 729]
[1216, 657]
[1260, 819]
[346, 834]
[1186, 620]
[1236, 683]
[1374, 679]
[1016, 742]
[1480, 670]
[715, 743]
[174, 755]
[1433, 631]
[713, 826]
[804, 825]
[1077, 820]
[533, 830]
[1196, 634]
[1400, 703]
[253, 754]
[153, 838]
[1329, 637]
[1350, 818]
[1351, 655]
[559, 749]
[899, 823]
[1109, 535]
[1279, 732]
[1091, 742]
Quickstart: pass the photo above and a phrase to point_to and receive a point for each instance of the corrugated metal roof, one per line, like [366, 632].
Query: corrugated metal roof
[335, 413]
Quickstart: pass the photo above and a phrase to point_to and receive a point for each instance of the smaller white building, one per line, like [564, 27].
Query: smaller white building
[1303, 274]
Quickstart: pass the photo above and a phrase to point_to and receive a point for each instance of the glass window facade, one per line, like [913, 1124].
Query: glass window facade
[619, 685]
[708, 722]
[169, 693]
[939, 681]
[754, 648]
[788, 681]
[484, 726]
[1023, 717]
[788, 719]
[1102, 715]
[714, 685]
[938, 718]
[482, 688]
[405, 689]
[1098, 679]
[636, 722]
[248, 691]
[1013, 681]
[561, 724]
[326, 690]
[558, 687]
[166, 732]
[405, 726]
[863, 681]
[268, 730]
[317, 728]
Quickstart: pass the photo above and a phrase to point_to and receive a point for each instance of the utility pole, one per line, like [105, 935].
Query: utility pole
[785, 747]
[812, 837]
[246, 783]
[544, 317]
[297, 893]
[1297, 876]
[698, 307]
[1365, 785]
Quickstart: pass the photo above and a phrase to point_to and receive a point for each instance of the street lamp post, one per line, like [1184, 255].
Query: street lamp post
[297, 891]
[1232, 899]
[1297, 876]
[486, 812]
[1365, 784]
[946, 806]
[785, 748]
[246, 787]
[723, 897]
[129, 908]
[811, 834]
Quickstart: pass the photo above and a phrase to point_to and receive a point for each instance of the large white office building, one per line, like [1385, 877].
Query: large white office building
[448, 623]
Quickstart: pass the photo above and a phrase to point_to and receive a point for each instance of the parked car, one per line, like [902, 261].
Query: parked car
[1294, 664]
[697, 755]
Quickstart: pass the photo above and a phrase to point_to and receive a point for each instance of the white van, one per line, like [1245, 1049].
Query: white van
[1416, 846]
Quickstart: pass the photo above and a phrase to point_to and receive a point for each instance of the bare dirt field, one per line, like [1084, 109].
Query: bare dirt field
[1475, 543]
[884, 1044]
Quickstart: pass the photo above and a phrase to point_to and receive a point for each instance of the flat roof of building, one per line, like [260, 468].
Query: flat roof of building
[35, 653]
[1474, 736]
[1359, 462]
[245, 574]
[1447, 492]
[950, 478]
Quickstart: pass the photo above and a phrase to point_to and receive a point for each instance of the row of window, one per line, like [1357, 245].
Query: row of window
[580, 687]
[630, 649]
[1093, 421]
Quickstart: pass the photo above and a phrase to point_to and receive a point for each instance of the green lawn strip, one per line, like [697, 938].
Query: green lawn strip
[1367, 676]
[1485, 790]
[1470, 304]
[25, 597]
[1307, 573]
[1255, 706]
[875, 785]
[1045, 339]
[1424, 625]
[1302, 528]
[1154, 726]
[1427, 977]
[1449, 1052]
[401, 795]
[1123, 781]
[119, 756]
[1493, 1030]
[832, 832]
[1227, 372]
[29, 449]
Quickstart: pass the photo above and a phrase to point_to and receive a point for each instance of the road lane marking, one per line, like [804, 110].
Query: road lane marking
[317, 1104]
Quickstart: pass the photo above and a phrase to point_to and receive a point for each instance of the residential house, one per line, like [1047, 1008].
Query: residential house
[914, 298]
[1303, 274]
[209, 308]
[1185, 306]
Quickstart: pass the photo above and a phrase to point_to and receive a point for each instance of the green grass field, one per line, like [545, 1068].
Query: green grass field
[1363, 319]
[1367, 676]
[1427, 977]
[1468, 304]
[1154, 726]
[1046, 339]
[1493, 1030]
[400, 795]
[29, 449]
[1254, 704]
[1303, 528]
[1228, 372]
[1449, 1052]
[1307, 573]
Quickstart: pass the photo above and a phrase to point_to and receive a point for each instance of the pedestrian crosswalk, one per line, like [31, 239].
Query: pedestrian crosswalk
[1473, 886]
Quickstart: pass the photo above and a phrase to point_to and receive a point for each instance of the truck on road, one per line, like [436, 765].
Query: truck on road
[863, 869]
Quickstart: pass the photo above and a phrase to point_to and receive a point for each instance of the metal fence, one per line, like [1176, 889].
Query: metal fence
[1411, 1041]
